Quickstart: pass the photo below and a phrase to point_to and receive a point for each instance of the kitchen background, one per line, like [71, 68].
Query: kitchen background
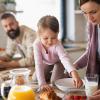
[28, 12]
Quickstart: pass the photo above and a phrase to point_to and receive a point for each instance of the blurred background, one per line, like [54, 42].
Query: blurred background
[28, 12]
[72, 22]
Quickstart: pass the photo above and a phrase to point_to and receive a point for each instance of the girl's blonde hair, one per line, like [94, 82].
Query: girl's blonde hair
[48, 22]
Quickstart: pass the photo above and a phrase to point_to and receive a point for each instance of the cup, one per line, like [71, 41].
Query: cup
[91, 83]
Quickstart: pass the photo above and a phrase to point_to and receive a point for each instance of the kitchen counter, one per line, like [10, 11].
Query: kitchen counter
[61, 94]
[75, 50]
[70, 47]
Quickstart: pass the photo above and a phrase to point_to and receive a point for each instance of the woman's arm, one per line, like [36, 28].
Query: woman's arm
[83, 60]
[96, 96]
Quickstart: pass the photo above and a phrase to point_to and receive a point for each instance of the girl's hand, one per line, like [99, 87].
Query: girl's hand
[46, 87]
[78, 82]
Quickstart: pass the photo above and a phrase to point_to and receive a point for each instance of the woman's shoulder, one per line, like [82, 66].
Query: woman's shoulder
[91, 28]
[91, 25]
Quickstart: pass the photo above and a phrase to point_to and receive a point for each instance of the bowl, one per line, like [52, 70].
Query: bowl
[66, 84]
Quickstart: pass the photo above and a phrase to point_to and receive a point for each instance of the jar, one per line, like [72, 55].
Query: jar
[75, 94]
[20, 86]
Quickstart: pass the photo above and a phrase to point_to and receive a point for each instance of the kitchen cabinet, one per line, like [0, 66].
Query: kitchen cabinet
[7, 5]
[80, 32]
[3, 38]
[76, 22]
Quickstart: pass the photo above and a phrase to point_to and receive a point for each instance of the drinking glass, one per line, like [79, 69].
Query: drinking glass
[91, 83]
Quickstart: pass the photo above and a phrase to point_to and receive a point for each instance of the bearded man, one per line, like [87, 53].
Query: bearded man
[19, 40]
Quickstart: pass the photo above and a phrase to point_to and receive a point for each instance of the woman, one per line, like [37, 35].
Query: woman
[91, 58]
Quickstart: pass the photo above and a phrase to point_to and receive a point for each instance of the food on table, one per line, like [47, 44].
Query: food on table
[2, 49]
[75, 95]
[48, 95]
[20, 80]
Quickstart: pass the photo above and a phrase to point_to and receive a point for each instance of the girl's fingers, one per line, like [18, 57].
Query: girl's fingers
[75, 83]
[78, 83]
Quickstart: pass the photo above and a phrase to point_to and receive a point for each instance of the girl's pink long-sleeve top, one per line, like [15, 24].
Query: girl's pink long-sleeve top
[55, 54]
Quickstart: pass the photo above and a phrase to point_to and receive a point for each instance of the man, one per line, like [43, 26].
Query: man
[20, 40]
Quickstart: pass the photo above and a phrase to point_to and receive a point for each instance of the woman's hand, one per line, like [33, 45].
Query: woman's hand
[95, 96]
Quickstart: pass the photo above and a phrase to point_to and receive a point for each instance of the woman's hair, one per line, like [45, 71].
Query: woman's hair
[49, 22]
[85, 1]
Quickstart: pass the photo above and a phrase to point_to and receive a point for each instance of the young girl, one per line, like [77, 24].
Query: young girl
[50, 56]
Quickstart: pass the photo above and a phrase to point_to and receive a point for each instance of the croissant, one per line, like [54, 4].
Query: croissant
[48, 95]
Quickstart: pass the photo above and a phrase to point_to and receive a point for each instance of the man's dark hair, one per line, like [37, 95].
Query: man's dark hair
[7, 15]
[85, 1]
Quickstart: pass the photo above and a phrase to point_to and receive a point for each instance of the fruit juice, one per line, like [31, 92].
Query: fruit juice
[21, 93]
[90, 88]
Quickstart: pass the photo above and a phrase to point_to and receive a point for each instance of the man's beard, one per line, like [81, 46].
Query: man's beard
[13, 33]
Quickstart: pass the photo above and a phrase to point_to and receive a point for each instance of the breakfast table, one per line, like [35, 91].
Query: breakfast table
[80, 93]
[5, 76]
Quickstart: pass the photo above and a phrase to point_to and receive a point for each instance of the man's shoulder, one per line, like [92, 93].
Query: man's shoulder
[28, 32]
[27, 29]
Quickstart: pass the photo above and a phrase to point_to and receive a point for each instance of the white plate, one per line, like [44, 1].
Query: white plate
[65, 84]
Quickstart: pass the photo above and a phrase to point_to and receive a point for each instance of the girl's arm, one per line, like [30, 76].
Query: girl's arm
[64, 58]
[39, 63]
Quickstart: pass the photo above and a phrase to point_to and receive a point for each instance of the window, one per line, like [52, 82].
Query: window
[33, 10]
